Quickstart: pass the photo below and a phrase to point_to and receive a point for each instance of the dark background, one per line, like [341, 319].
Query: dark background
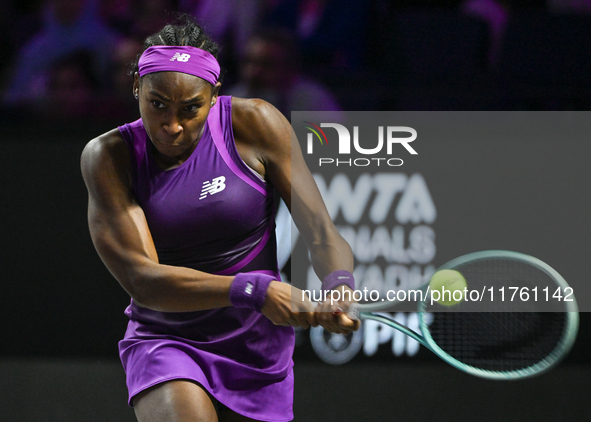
[62, 312]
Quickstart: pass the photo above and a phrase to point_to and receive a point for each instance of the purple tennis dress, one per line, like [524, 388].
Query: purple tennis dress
[213, 214]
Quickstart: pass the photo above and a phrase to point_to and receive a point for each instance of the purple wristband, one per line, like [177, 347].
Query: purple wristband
[337, 278]
[249, 290]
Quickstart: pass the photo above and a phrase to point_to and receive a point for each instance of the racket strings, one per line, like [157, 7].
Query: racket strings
[498, 341]
[506, 285]
[501, 331]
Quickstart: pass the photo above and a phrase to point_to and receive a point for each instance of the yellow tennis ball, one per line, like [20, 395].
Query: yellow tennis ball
[446, 282]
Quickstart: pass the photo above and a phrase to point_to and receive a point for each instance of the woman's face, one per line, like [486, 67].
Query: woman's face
[174, 107]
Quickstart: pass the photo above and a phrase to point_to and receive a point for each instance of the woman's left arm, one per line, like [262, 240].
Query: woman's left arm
[267, 143]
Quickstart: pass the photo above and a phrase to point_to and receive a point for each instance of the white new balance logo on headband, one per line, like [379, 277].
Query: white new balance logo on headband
[180, 57]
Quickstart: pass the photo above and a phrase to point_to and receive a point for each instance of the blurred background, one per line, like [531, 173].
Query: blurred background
[65, 80]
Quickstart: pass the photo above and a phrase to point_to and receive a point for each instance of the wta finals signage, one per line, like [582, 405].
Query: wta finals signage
[365, 167]
[410, 191]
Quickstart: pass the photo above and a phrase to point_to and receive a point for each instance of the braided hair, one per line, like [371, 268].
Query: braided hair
[185, 31]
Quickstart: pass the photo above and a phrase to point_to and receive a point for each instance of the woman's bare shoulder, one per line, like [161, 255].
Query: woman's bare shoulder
[257, 121]
[108, 149]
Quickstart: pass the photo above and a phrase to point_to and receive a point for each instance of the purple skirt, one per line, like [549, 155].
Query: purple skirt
[238, 355]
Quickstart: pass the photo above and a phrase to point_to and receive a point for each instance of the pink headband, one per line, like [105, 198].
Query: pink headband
[185, 59]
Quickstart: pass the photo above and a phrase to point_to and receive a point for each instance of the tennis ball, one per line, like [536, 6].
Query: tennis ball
[446, 282]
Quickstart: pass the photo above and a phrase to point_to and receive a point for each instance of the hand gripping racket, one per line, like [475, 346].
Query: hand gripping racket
[522, 320]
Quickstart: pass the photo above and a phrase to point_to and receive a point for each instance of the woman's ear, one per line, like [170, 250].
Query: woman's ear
[136, 85]
[215, 92]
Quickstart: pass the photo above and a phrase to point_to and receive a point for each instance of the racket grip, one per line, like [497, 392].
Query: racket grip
[352, 313]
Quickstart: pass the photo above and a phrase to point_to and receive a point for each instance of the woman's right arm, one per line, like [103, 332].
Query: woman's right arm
[121, 236]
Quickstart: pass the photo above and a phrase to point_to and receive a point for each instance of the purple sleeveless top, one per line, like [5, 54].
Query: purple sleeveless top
[213, 214]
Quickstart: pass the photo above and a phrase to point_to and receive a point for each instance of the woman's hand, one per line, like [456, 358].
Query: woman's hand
[332, 314]
[288, 305]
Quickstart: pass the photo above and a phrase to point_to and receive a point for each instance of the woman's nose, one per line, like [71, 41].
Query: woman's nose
[171, 126]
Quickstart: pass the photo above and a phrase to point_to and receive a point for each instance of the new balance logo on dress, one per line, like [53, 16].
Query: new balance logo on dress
[180, 57]
[215, 186]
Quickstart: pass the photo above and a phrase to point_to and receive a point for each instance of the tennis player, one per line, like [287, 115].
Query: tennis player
[181, 213]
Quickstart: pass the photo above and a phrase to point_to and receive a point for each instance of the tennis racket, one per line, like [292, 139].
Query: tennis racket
[522, 321]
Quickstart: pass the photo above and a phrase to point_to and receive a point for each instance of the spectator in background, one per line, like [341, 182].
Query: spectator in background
[496, 14]
[68, 26]
[73, 93]
[18, 22]
[70, 89]
[149, 16]
[569, 6]
[126, 52]
[123, 103]
[271, 70]
[5, 17]
[118, 14]
[331, 32]
[230, 21]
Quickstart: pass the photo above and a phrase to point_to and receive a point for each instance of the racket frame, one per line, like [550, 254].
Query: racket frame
[368, 311]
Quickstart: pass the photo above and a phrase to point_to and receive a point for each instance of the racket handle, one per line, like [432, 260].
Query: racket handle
[352, 313]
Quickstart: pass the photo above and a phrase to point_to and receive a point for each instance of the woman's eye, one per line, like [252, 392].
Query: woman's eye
[191, 108]
[157, 104]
